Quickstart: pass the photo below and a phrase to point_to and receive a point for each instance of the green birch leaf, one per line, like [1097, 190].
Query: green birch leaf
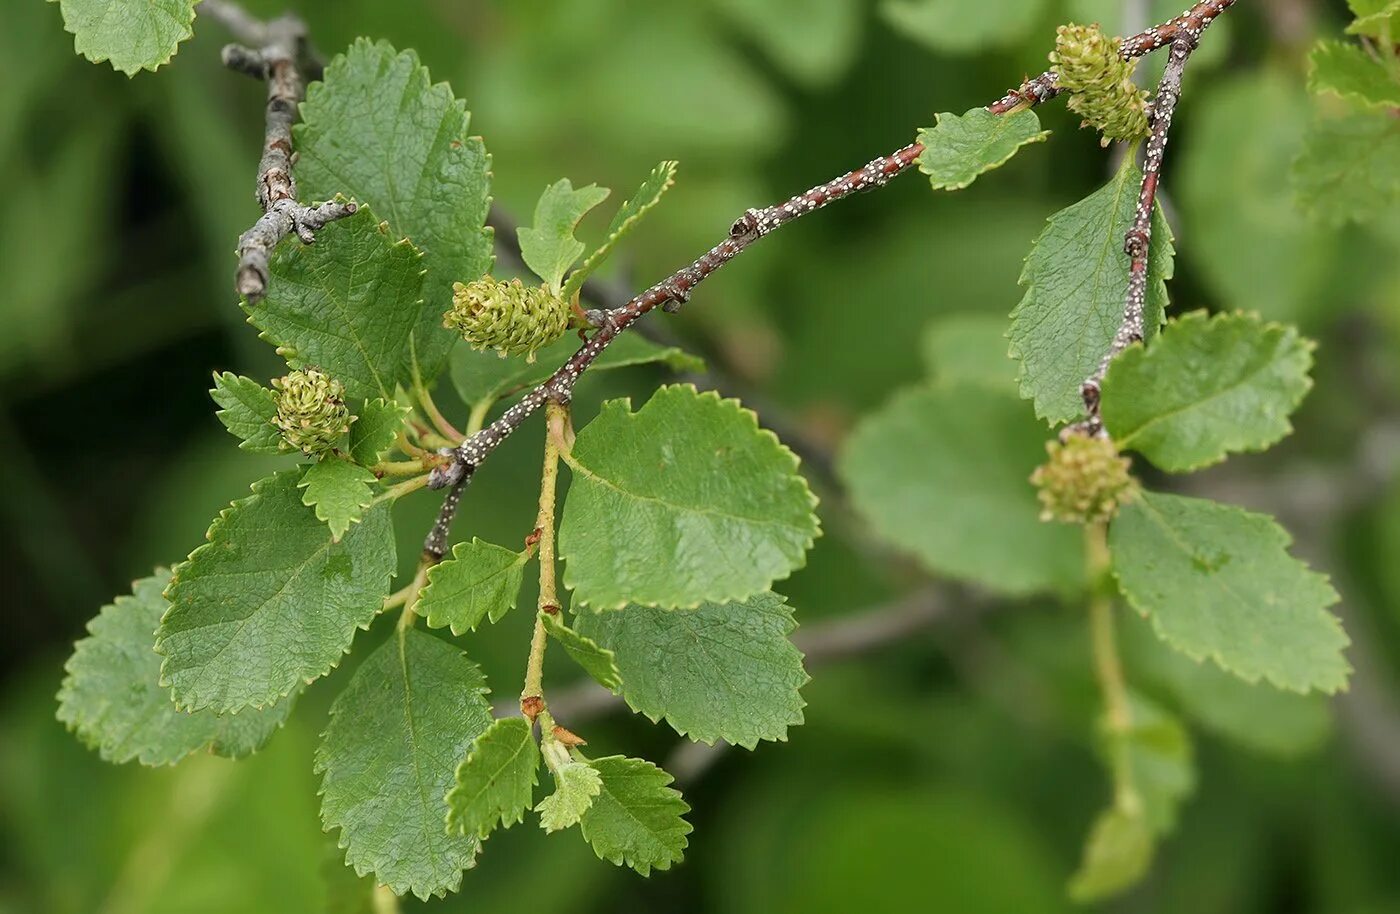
[548, 246]
[627, 218]
[637, 819]
[412, 708]
[576, 784]
[270, 603]
[339, 491]
[112, 698]
[1116, 857]
[1217, 581]
[597, 661]
[969, 349]
[495, 783]
[375, 429]
[959, 27]
[1207, 387]
[1349, 169]
[944, 474]
[481, 580]
[1258, 717]
[131, 35]
[962, 147]
[412, 161]
[348, 304]
[247, 412]
[1076, 276]
[1348, 71]
[722, 671]
[484, 376]
[686, 500]
[1373, 17]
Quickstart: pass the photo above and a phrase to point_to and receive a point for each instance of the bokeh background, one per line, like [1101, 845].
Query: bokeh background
[955, 771]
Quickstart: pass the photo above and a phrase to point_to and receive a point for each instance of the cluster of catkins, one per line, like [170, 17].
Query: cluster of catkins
[1084, 481]
[1090, 65]
[509, 317]
[311, 411]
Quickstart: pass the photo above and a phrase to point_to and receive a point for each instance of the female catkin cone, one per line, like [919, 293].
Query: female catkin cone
[1090, 65]
[1084, 481]
[509, 317]
[311, 412]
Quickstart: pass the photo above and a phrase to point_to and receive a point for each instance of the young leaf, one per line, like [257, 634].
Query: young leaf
[348, 304]
[481, 580]
[132, 35]
[684, 501]
[1349, 170]
[270, 603]
[413, 161]
[375, 429]
[944, 474]
[482, 376]
[339, 491]
[495, 783]
[549, 247]
[597, 661]
[722, 671]
[247, 412]
[960, 148]
[386, 759]
[1217, 581]
[1346, 70]
[1116, 857]
[636, 820]
[1075, 277]
[969, 349]
[112, 698]
[1206, 388]
[576, 784]
[630, 213]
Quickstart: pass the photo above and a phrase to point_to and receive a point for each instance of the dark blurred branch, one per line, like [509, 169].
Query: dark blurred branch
[274, 51]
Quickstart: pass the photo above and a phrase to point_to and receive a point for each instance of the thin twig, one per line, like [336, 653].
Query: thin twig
[273, 51]
[1137, 243]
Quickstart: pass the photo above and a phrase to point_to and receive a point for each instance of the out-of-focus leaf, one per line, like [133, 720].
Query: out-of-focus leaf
[1349, 169]
[944, 474]
[1252, 247]
[813, 41]
[958, 27]
[970, 349]
[1347, 70]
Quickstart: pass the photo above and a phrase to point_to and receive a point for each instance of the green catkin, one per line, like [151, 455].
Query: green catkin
[509, 317]
[1090, 66]
[311, 411]
[1085, 480]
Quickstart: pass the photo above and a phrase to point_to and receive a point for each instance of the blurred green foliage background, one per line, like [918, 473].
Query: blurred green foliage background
[955, 772]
